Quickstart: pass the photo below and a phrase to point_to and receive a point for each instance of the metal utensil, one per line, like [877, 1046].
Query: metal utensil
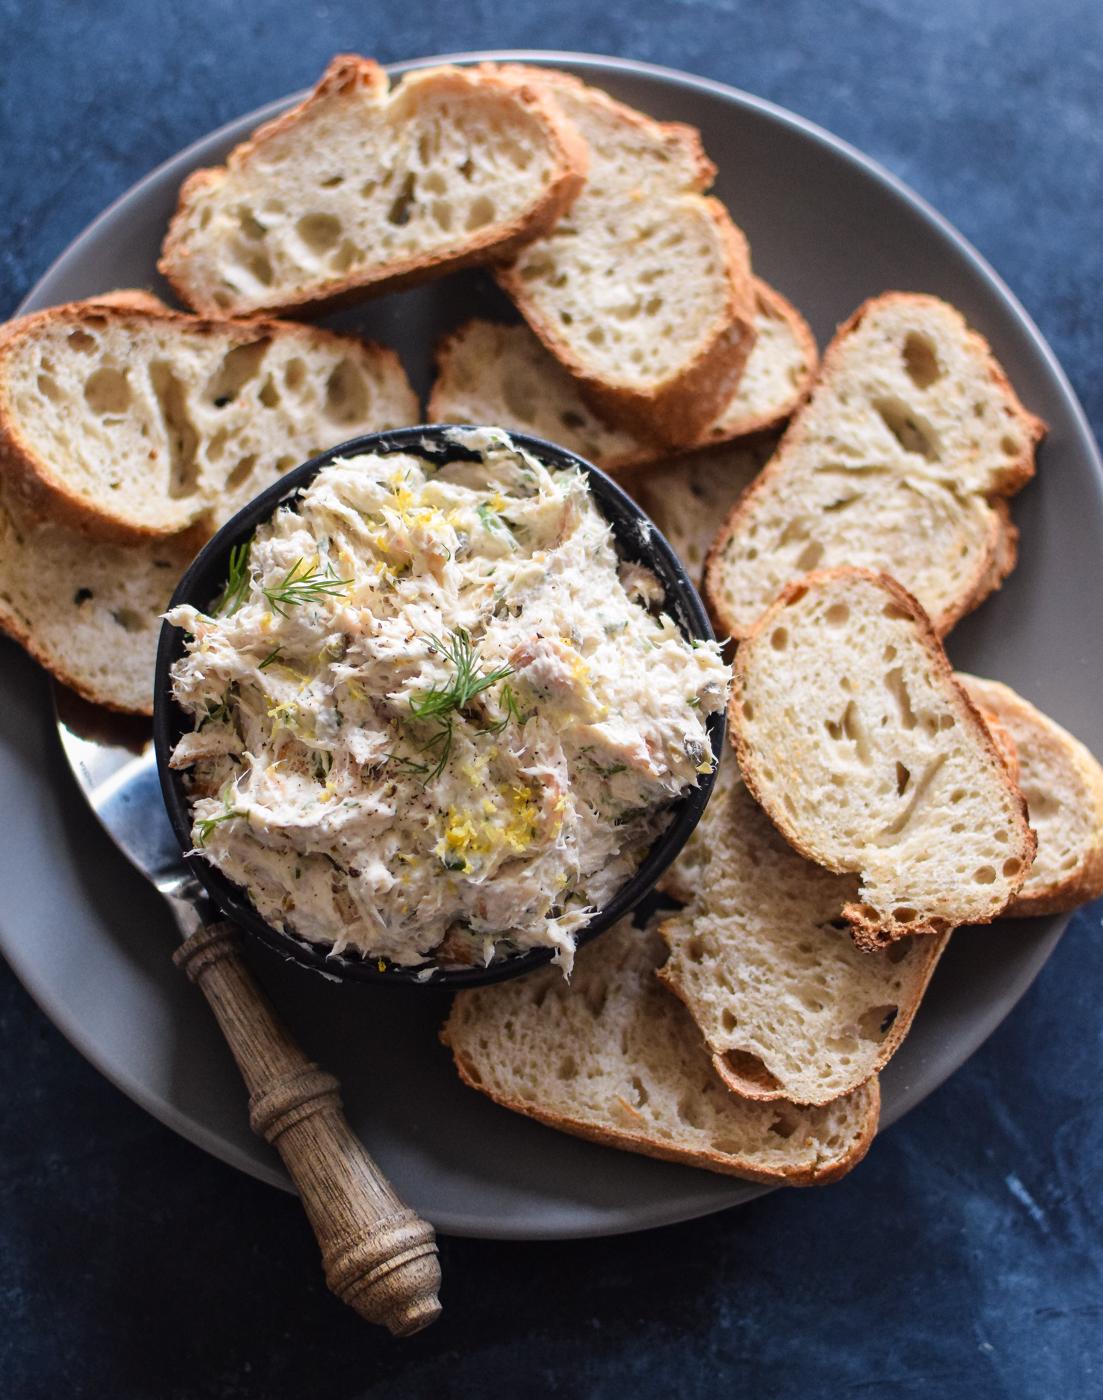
[379, 1256]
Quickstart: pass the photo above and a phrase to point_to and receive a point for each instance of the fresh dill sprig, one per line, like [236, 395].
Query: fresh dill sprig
[406, 766]
[208, 824]
[464, 685]
[508, 702]
[270, 657]
[237, 581]
[496, 525]
[304, 583]
[443, 703]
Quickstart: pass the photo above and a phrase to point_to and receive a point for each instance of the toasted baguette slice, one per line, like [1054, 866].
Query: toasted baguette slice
[90, 613]
[689, 496]
[896, 463]
[613, 1057]
[1063, 787]
[503, 374]
[128, 421]
[763, 959]
[643, 291]
[869, 757]
[358, 191]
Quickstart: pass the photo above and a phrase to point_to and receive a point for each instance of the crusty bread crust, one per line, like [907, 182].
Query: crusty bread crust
[680, 409]
[349, 75]
[869, 930]
[770, 302]
[126, 684]
[612, 449]
[45, 493]
[760, 933]
[1085, 881]
[992, 565]
[651, 1147]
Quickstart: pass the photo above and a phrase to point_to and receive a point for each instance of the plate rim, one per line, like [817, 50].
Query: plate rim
[463, 1224]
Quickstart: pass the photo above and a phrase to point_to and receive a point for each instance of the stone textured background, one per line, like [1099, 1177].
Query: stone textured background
[963, 1257]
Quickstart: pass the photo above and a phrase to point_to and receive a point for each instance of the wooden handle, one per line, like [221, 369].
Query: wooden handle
[379, 1257]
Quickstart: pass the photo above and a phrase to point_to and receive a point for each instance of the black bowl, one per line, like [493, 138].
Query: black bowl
[636, 539]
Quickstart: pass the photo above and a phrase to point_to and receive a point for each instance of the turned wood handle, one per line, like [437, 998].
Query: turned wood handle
[379, 1257]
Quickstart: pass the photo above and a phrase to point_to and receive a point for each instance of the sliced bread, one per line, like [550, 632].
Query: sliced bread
[125, 420]
[611, 1056]
[897, 463]
[689, 496]
[90, 613]
[358, 190]
[643, 291]
[869, 757]
[491, 373]
[763, 959]
[1063, 787]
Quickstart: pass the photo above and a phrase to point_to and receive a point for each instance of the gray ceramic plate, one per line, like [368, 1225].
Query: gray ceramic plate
[92, 943]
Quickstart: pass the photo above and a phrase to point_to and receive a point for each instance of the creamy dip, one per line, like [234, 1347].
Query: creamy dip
[434, 708]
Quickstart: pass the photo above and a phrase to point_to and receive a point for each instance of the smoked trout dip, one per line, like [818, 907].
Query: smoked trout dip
[435, 715]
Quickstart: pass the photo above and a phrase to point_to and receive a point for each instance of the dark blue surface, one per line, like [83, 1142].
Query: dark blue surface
[964, 1258]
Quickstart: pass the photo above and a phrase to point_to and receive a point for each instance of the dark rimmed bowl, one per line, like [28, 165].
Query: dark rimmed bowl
[636, 538]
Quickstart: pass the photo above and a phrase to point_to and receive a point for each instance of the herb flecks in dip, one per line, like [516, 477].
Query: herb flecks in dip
[433, 707]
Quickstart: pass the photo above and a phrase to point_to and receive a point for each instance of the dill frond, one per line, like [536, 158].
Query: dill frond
[237, 581]
[443, 703]
[304, 583]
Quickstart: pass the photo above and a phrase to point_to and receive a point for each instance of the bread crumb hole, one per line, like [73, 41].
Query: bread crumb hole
[48, 386]
[241, 473]
[480, 214]
[82, 595]
[876, 1023]
[82, 341]
[129, 620]
[1012, 866]
[269, 394]
[250, 226]
[399, 212]
[332, 182]
[238, 366]
[345, 256]
[908, 428]
[985, 875]
[748, 710]
[1009, 446]
[294, 373]
[895, 613]
[779, 638]
[347, 398]
[837, 614]
[106, 391]
[695, 950]
[319, 232]
[903, 778]
[920, 360]
[890, 653]
[261, 269]
[810, 556]
[568, 1068]
[727, 1020]
[751, 1069]
[905, 915]
[783, 1127]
